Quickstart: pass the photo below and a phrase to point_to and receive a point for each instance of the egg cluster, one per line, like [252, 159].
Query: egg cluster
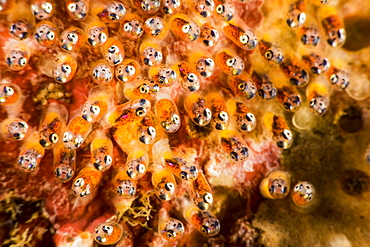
[136, 101]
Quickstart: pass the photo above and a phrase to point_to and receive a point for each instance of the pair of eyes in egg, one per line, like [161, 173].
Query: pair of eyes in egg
[107, 229]
[273, 189]
[235, 155]
[8, 91]
[286, 134]
[129, 69]
[94, 109]
[73, 7]
[16, 126]
[214, 225]
[335, 78]
[129, 187]
[175, 119]
[244, 85]
[192, 170]
[67, 137]
[166, 75]
[129, 26]
[140, 168]
[206, 113]
[178, 228]
[19, 125]
[301, 18]
[232, 62]
[66, 68]
[107, 160]
[318, 103]
[223, 116]
[102, 72]
[148, 7]
[47, 7]
[22, 61]
[102, 37]
[50, 35]
[71, 37]
[144, 89]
